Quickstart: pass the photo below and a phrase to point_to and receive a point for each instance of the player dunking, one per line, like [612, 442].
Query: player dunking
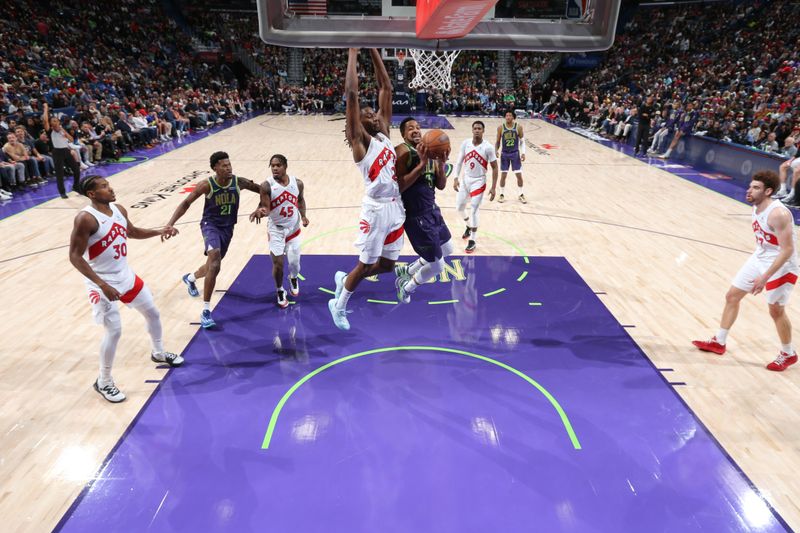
[380, 236]
[476, 155]
[511, 138]
[98, 249]
[220, 212]
[773, 267]
[283, 201]
[418, 178]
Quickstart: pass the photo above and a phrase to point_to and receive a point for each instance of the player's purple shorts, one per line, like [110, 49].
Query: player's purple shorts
[216, 237]
[511, 160]
[427, 232]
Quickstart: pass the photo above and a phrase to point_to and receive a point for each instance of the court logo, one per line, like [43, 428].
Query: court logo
[541, 150]
[162, 193]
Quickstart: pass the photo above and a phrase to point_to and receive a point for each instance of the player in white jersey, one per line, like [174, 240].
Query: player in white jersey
[476, 155]
[773, 267]
[283, 202]
[380, 227]
[98, 249]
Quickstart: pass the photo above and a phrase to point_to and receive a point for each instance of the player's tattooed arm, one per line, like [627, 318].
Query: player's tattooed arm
[245, 183]
[263, 209]
[202, 189]
[301, 202]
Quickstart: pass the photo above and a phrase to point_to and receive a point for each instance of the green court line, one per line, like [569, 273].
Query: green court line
[321, 235]
[535, 303]
[273, 420]
[301, 277]
[388, 302]
[443, 302]
[514, 246]
[522, 276]
[498, 291]
[323, 289]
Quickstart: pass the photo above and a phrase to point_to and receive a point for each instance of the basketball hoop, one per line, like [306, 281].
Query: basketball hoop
[433, 68]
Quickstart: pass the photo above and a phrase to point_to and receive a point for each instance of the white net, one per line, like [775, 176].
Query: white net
[433, 68]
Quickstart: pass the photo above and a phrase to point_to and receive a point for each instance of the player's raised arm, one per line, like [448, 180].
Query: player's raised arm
[384, 90]
[354, 131]
[202, 189]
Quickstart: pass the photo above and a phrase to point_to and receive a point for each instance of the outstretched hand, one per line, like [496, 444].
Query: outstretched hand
[167, 232]
[258, 214]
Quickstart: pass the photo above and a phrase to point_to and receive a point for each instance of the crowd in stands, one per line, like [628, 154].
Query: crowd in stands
[131, 77]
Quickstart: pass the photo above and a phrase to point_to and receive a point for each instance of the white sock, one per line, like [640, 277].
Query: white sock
[473, 235]
[521, 191]
[502, 189]
[414, 267]
[668, 152]
[787, 348]
[191, 277]
[206, 306]
[722, 336]
[344, 297]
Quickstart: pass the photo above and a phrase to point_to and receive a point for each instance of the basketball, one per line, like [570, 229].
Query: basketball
[437, 142]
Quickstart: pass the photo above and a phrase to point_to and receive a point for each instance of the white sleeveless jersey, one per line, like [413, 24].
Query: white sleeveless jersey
[476, 159]
[377, 167]
[767, 245]
[283, 203]
[107, 250]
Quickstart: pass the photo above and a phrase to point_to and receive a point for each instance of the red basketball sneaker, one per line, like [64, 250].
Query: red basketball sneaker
[710, 346]
[782, 362]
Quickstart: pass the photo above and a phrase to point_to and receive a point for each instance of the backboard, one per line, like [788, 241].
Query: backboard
[538, 25]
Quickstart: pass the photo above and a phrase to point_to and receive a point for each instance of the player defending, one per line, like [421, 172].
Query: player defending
[511, 138]
[220, 212]
[98, 249]
[418, 178]
[381, 225]
[476, 154]
[772, 267]
[283, 201]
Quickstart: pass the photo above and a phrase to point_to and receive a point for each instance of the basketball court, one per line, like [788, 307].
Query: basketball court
[546, 382]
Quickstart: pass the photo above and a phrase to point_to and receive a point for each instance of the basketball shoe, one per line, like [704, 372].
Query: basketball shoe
[206, 321]
[782, 362]
[190, 286]
[470, 247]
[339, 315]
[282, 301]
[501, 198]
[110, 392]
[402, 296]
[170, 358]
[401, 271]
[710, 346]
[522, 199]
[294, 286]
[466, 233]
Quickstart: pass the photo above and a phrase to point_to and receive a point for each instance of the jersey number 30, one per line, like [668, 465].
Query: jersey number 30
[120, 250]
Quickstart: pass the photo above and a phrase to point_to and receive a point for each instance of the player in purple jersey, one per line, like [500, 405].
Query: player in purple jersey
[510, 136]
[220, 212]
[418, 177]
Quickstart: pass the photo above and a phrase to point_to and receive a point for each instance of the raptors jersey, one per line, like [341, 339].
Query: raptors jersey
[476, 159]
[107, 250]
[767, 245]
[283, 203]
[377, 167]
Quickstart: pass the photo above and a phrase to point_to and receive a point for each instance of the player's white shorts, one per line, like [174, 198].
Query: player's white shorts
[282, 239]
[779, 287]
[380, 229]
[132, 289]
[473, 186]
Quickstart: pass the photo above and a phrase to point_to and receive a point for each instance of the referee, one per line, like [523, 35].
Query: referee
[62, 153]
